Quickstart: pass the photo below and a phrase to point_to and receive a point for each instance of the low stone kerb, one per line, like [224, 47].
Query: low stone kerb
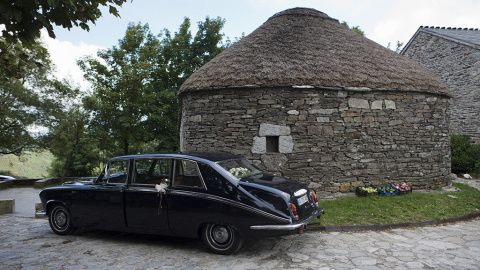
[7, 206]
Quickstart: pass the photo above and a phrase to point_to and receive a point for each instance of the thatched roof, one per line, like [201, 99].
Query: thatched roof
[305, 47]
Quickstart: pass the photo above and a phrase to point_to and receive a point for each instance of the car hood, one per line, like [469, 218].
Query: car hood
[80, 181]
[280, 183]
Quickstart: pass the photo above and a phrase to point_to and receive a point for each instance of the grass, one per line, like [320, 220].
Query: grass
[29, 165]
[413, 207]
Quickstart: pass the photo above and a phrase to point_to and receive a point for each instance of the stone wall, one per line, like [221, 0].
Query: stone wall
[458, 65]
[331, 140]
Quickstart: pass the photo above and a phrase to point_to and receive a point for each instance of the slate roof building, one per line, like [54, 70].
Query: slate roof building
[305, 97]
[453, 54]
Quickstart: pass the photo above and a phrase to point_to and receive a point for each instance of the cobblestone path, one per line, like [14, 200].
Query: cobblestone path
[28, 243]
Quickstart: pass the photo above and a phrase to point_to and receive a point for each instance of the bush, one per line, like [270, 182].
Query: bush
[465, 156]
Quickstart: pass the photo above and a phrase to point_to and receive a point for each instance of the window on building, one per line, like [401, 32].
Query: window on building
[272, 144]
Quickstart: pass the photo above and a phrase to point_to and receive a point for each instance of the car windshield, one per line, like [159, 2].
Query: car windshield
[239, 168]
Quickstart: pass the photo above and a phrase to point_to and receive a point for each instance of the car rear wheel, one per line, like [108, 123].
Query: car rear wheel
[221, 239]
[59, 219]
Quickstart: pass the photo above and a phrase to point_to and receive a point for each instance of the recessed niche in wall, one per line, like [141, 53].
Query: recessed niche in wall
[272, 144]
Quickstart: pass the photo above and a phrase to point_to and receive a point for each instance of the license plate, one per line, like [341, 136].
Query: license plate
[302, 199]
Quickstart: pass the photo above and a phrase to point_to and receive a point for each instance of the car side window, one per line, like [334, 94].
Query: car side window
[117, 171]
[152, 171]
[187, 174]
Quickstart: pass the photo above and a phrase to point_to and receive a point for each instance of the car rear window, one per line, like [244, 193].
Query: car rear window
[239, 168]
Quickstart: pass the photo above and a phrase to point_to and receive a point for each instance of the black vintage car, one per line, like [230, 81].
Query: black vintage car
[221, 198]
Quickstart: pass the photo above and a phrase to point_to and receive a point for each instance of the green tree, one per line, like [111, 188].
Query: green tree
[134, 86]
[23, 19]
[26, 95]
[180, 55]
[398, 47]
[464, 155]
[354, 28]
[72, 145]
[68, 138]
[119, 86]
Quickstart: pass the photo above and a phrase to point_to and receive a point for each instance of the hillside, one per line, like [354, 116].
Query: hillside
[29, 165]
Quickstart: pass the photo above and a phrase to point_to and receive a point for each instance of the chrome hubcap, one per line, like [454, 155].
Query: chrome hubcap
[61, 219]
[220, 235]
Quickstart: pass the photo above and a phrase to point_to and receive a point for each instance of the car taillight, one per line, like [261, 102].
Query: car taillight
[314, 197]
[294, 211]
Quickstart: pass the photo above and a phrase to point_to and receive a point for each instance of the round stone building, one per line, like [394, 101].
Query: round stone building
[305, 97]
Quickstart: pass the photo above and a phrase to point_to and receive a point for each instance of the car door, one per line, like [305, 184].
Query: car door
[188, 203]
[102, 203]
[145, 207]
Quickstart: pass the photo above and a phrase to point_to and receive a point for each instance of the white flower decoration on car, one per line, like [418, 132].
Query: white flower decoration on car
[161, 190]
[239, 172]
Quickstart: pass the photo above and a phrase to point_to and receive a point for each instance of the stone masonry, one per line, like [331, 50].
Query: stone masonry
[457, 63]
[332, 140]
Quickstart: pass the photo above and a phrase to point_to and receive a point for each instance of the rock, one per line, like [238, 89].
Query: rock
[450, 189]
[274, 163]
[358, 103]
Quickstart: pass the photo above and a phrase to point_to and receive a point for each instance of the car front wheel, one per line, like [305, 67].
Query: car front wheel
[59, 219]
[221, 239]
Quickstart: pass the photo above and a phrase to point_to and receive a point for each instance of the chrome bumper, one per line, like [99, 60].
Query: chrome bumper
[41, 213]
[290, 227]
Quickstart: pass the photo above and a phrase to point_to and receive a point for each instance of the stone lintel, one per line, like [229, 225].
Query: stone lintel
[273, 130]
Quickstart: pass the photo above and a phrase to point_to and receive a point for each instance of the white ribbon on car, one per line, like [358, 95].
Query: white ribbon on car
[161, 190]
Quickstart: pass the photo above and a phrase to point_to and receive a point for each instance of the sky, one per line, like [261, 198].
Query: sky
[383, 21]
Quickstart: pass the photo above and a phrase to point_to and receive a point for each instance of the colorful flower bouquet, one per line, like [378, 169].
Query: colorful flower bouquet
[366, 191]
[387, 191]
[402, 189]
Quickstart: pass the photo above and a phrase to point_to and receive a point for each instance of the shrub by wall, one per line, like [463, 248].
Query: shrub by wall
[465, 156]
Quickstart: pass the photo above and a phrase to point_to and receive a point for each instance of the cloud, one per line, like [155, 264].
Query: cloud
[64, 56]
[405, 17]
[387, 21]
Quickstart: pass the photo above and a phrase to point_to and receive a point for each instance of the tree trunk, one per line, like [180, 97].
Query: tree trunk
[78, 129]
[125, 146]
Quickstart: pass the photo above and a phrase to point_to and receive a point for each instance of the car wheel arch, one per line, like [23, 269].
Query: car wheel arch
[49, 205]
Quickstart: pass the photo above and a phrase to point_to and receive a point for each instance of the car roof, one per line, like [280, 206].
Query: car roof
[208, 156]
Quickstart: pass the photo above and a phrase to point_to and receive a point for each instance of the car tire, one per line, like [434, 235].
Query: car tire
[221, 239]
[59, 219]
